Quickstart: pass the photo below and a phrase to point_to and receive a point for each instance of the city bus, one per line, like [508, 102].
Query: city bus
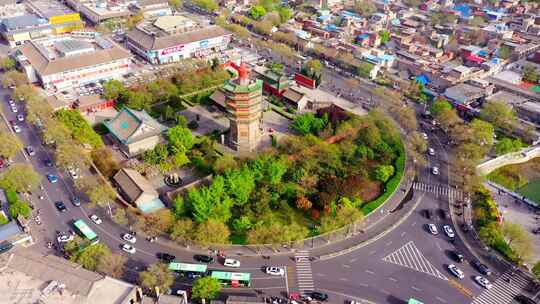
[85, 231]
[190, 270]
[414, 301]
[232, 279]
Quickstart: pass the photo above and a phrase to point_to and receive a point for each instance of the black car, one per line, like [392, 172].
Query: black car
[456, 256]
[319, 296]
[165, 257]
[48, 163]
[483, 269]
[203, 258]
[427, 213]
[524, 299]
[60, 206]
[442, 214]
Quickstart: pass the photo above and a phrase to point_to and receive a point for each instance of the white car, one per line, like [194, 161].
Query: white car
[64, 238]
[14, 109]
[433, 229]
[424, 135]
[30, 150]
[20, 117]
[449, 231]
[96, 219]
[73, 172]
[456, 271]
[231, 263]
[483, 282]
[435, 170]
[275, 271]
[17, 129]
[128, 248]
[129, 238]
[11, 103]
[431, 151]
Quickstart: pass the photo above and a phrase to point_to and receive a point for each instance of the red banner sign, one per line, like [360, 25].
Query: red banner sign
[171, 50]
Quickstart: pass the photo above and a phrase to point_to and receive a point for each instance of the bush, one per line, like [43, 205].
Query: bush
[19, 208]
[3, 219]
[79, 127]
[12, 197]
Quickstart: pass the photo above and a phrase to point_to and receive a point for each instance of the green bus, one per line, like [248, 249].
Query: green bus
[414, 301]
[190, 270]
[232, 279]
[85, 231]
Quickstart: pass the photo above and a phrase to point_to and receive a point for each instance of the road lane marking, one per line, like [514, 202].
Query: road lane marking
[388, 243]
[346, 266]
[352, 260]
[416, 288]
[392, 279]
[409, 256]
[402, 234]
[441, 299]
[372, 252]
[413, 224]
[363, 284]
[369, 271]
[343, 279]
[385, 291]
[362, 301]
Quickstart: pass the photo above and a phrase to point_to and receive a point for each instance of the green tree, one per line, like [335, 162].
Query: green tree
[499, 113]
[183, 229]
[104, 161]
[113, 89]
[101, 194]
[112, 265]
[470, 151]
[157, 275]
[384, 172]
[313, 65]
[155, 223]
[71, 155]
[505, 52]
[365, 7]
[7, 63]
[24, 92]
[448, 119]
[477, 21]
[257, 12]
[208, 5]
[212, 232]
[263, 27]
[507, 145]
[120, 217]
[364, 69]
[176, 4]
[3, 219]
[224, 163]
[138, 100]
[344, 215]
[308, 123]
[89, 257]
[79, 127]
[19, 208]
[530, 74]
[406, 118]
[536, 270]
[20, 178]
[285, 14]
[55, 132]
[181, 138]
[240, 184]
[205, 288]
[439, 106]
[14, 78]
[482, 132]
[385, 36]
[518, 239]
[10, 145]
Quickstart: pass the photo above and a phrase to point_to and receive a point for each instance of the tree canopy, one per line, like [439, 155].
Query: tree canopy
[257, 12]
[157, 275]
[10, 145]
[206, 288]
[20, 178]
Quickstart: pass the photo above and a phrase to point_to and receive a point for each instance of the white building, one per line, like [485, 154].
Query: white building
[170, 39]
[59, 63]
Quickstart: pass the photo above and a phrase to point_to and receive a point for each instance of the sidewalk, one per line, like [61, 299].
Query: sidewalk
[396, 208]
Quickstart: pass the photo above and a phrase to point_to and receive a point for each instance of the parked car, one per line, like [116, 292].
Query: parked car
[48, 163]
[483, 269]
[128, 248]
[435, 170]
[203, 258]
[76, 201]
[431, 151]
[524, 299]
[16, 129]
[166, 257]
[424, 135]
[449, 231]
[433, 229]
[456, 271]
[231, 263]
[483, 282]
[96, 219]
[60, 206]
[129, 238]
[20, 117]
[14, 109]
[275, 271]
[64, 238]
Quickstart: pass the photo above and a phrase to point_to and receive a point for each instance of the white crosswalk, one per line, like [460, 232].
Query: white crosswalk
[304, 275]
[440, 190]
[410, 256]
[502, 291]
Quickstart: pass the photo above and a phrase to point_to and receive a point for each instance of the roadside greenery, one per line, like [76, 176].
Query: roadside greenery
[155, 276]
[10, 145]
[79, 127]
[20, 178]
[16, 206]
[206, 288]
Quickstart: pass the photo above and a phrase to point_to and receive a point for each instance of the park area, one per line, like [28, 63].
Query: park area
[521, 178]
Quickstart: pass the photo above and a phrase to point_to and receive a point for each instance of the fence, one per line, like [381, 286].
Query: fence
[508, 159]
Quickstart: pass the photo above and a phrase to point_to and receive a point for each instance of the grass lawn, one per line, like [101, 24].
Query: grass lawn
[531, 190]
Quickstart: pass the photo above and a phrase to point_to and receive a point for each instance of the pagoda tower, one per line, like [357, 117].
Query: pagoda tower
[243, 98]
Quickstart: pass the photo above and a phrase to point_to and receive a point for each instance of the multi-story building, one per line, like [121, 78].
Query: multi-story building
[18, 30]
[63, 62]
[170, 39]
[152, 8]
[97, 11]
[61, 18]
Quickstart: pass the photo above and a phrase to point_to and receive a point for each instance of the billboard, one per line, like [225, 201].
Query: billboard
[172, 50]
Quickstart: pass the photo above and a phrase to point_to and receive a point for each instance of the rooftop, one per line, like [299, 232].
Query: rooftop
[48, 8]
[131, 125]
[51, 56]
[23, 22]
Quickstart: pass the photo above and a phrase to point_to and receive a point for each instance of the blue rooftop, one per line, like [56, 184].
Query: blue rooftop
[422, 79]
[464, 10]
[362, 36]
[22, 22]
[151, 206]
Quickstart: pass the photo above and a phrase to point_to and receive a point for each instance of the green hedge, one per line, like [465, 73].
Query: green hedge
[283, 113]
[79, 127]
[391, 185]
[12, 197]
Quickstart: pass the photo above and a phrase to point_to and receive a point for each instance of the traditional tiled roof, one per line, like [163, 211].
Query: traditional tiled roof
[130, 126]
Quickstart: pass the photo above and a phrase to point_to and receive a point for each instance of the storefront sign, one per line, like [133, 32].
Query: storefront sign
[172, 50]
